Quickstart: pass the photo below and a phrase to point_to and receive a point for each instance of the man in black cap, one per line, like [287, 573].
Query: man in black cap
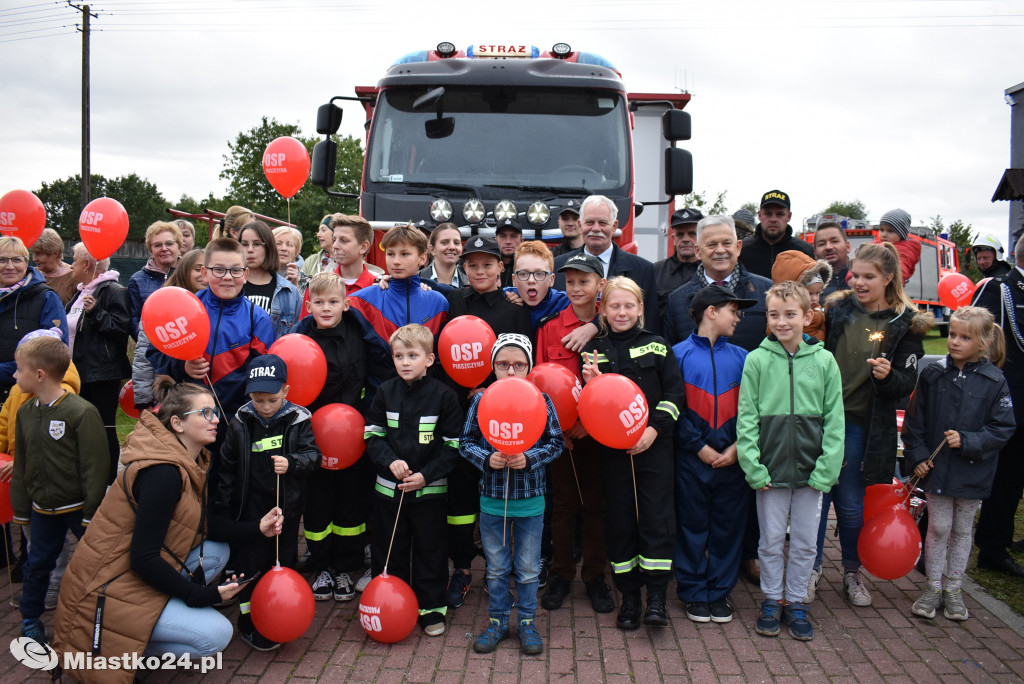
[569, 224]
[772, 235]
[509, 235]
[678, 268]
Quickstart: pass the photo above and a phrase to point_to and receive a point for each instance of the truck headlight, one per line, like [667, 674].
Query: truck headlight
[538, 213]
[505, 209]
[441, 210]
[473, 211]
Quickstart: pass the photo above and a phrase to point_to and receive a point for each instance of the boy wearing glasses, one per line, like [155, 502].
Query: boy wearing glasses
[268, 454]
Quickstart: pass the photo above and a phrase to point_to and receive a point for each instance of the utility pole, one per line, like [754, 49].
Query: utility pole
[86, 171]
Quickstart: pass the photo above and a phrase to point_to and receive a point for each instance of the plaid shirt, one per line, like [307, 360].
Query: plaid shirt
[523, 484]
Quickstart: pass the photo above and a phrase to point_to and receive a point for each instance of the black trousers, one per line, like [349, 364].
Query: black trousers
[103, 394]
[639, 529]
[335, 518]
[419, 554]
[994, 532]
[463, 513]
[257, 555]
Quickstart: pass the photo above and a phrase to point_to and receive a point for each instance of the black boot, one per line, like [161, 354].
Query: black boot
[629, 611]
[656, 611]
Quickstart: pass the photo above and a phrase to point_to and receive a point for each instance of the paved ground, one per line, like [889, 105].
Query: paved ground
[881, 643]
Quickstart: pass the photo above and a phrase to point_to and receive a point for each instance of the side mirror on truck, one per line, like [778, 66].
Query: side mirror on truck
[678, 171]
[324, 162]
[675, 125]
[328, 119]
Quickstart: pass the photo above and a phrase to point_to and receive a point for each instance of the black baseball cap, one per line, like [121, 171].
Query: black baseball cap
[688, 215]
[716, 295]
[775, 197]
[508, 223]
[267, 373]
[481, 245]
[581, 261]
[572, 206]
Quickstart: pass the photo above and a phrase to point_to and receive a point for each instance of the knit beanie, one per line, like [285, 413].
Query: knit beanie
[898, 220]
[514, 340]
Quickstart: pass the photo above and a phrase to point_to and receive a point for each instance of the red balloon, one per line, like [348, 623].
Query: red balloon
[176, 323]
[879, 497]
[388, 609]
[103, 227]
[889, 544]
[562, 386]
[465, 347]
[282, 605]
[512, 415]
[955, 290]
[613, 410]
[338, 429]
[127, 400]
[6, 511]
[307, 366]
[22, 215]
[286, 165]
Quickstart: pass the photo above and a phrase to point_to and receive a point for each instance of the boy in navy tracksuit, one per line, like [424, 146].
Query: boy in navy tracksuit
[412, 437]
[711, 493]
[336, 510]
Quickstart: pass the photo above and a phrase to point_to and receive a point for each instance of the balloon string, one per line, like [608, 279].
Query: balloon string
[215, 397]
[288, 201]
[575, 476]
[387, 558]
[912, 485]
[636, 503]
[277, 537]
[10, 562]
[504, 518]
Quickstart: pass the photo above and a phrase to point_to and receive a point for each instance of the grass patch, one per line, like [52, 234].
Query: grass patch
[1008, 589]
[934, 344]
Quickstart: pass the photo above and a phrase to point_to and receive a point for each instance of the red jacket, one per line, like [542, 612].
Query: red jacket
[549, 347]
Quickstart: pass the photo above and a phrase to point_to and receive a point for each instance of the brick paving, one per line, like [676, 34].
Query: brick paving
[882, 643]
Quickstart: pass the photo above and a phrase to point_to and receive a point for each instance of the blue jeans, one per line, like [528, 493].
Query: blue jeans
[48, 534]
[848, 497]
[196, 631]
[524, 534]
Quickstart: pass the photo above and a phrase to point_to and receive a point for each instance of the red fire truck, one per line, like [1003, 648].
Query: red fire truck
[491, 132]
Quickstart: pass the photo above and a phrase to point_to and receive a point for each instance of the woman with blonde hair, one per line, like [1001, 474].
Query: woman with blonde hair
[164, 241]
[289, 256]
[234, 218]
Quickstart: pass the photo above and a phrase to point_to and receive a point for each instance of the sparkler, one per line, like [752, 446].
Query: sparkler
[876, 337]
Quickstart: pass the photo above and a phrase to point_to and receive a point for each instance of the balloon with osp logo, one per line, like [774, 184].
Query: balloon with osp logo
[464, 347]
[614, 410]
[103, 227]
[306, 364]
[388, 609]
[955, 290]
[176, 323]
[339, 429]
[512, 415]
[286, 165]
[126, 400]
[22, 215]
[562, 386]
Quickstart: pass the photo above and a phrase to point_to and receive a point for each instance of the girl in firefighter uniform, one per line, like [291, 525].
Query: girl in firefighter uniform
[640, 521]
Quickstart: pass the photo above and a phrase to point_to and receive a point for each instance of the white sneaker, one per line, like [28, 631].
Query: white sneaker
[364, 581]
[343, 587]
[812, 586]
[856, 593]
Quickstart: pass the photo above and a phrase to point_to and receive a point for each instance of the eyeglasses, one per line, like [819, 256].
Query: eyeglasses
[208, 412]
[220, 271]
[162, 245]
[255, 245]
[519, 366]
[536, 275]
[17, 261]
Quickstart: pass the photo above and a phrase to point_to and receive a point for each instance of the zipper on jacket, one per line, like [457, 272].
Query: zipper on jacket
[714, 380]
[408, 308]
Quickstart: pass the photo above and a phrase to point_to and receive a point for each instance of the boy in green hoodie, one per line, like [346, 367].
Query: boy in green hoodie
[790, 446]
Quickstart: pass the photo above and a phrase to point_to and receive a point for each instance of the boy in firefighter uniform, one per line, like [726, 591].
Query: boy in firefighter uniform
[639, 520]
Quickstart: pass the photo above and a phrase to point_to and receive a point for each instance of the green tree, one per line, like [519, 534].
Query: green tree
[141, 199]
[960, 234]
[700, 200]
[854, 209]
[248, 186]
[750, 206]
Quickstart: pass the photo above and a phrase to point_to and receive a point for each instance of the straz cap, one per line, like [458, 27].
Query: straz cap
[267, 373]
[508, 223]
[775, 197]
[572, 207]
[716, 295]
[581, 261]
[687, 215]
[482, 245]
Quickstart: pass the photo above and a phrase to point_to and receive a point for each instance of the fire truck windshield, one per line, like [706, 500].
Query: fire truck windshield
[495, 138]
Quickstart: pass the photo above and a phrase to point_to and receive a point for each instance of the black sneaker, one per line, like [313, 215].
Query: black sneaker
[258, 641]
[323, 585]
[458, 586]
[557, 591]
[629, 611]
[698, 611]
[721, 610]
[542, 576]
[657, 611]
[600, 596]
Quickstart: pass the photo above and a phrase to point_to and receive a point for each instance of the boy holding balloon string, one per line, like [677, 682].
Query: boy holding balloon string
[511, 503]
[267, 456]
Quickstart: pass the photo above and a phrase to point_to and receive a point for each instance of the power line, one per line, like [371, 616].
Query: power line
[49, 35]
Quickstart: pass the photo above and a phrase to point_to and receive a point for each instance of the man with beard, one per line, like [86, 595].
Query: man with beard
[772, 235]
[830, 244]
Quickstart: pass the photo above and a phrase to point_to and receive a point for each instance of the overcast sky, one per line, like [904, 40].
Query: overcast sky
[896, 103]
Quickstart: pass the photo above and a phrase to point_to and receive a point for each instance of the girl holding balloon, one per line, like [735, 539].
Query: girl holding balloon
[967, 391]
[638, 491]
[875, 332]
